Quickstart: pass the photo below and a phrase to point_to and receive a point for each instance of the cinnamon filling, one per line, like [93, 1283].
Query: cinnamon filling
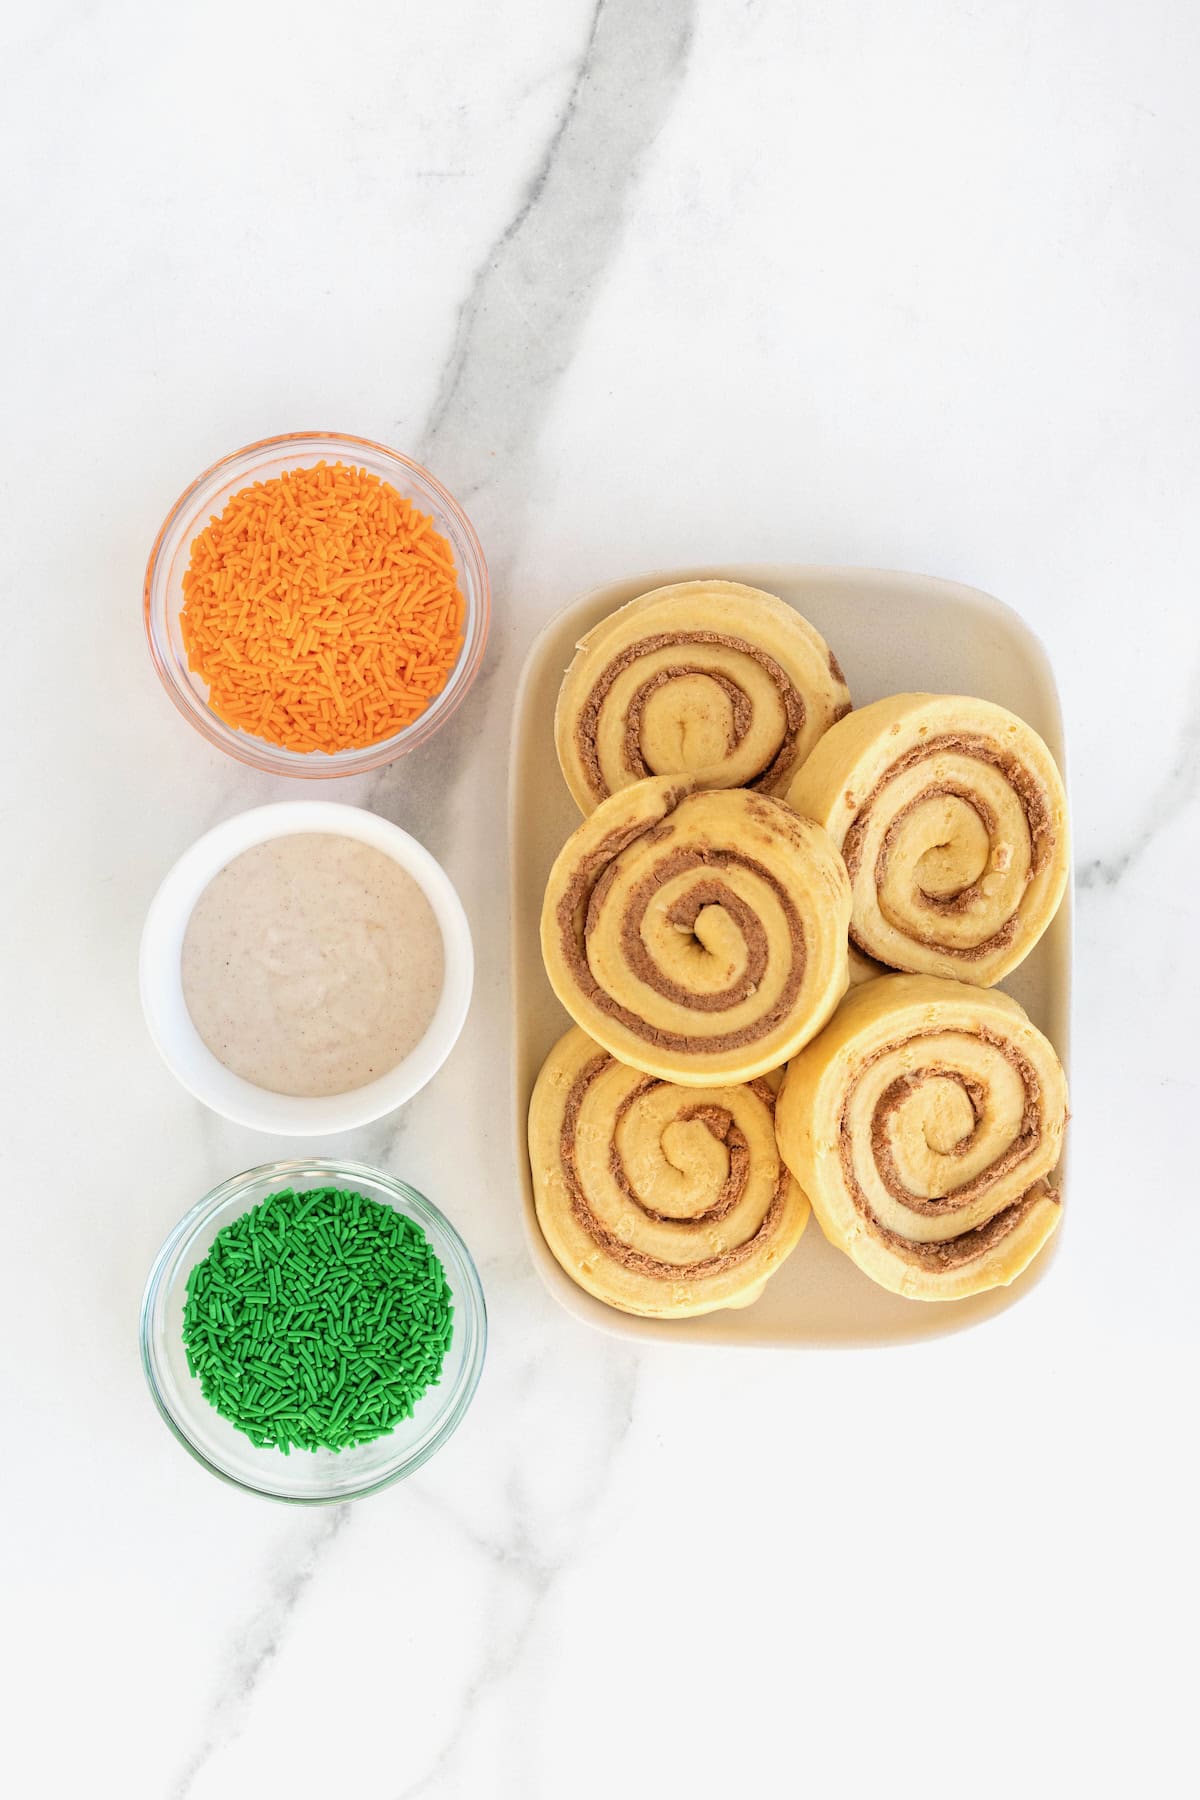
[683, 914]
[588, 724]
[953, 1252]
[1033, 804]
[720, 1123]
[741, 712]
[948, 903]
[590, 888]
[722, 1126]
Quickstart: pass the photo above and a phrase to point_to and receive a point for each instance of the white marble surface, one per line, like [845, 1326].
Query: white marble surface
[896, 282]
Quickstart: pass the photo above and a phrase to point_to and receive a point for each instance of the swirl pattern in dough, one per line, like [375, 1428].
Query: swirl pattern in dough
[658, 1199]
[924, 1124]
[698, 935]
[951, 816]
[706, 678]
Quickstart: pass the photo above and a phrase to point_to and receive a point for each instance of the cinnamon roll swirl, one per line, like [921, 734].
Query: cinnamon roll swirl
[660, 1200]
[705, 678]
[951, 816]
[925, 1124]
[698, 935]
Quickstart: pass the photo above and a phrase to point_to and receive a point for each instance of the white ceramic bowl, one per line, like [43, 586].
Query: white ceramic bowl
[170, 1024]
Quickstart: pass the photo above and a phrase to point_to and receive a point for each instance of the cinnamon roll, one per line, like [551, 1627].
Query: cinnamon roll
[660, 1200]
[863, 968]
[698, 935]
[705, 678]
[951, 816]
[925, 1124]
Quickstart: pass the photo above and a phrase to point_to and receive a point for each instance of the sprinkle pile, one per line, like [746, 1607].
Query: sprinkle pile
[317, 1320]
[322, 609]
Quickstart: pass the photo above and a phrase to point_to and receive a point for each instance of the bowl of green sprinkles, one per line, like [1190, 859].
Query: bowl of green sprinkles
[313, 1331]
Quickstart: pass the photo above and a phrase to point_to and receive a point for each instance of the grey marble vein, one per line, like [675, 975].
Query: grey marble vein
[520, 1554]
[518, 326]
[517, 329]
[257, 1647]
[1177, 790]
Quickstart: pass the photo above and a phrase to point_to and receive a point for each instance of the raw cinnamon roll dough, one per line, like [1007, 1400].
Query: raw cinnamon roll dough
[705, 678]
[657, 1199]
[863, 968]
[952, 819]
[699, 936]
[923, 1124]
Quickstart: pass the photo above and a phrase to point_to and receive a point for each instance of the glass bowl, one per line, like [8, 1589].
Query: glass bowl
[307, 1477]
[163, 594]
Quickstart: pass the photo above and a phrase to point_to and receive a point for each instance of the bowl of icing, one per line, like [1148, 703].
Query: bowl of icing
[287, 964]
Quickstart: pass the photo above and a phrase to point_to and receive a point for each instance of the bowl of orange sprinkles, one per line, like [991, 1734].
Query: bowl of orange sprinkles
[317, 604]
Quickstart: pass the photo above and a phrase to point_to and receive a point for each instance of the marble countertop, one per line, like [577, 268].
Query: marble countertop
[900, 284]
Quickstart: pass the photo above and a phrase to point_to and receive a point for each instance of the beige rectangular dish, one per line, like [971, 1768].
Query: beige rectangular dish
[892, 633]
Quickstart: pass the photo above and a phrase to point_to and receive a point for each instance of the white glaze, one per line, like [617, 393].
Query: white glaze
[289, 1116]
[312, 964]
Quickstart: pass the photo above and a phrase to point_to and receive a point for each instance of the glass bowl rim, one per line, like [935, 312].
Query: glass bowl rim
[472, 1304]
[273, 759]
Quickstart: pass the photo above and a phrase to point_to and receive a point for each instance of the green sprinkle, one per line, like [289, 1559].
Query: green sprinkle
[320, 1327]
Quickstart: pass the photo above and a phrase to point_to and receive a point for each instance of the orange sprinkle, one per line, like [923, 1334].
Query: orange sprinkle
[305, 601]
